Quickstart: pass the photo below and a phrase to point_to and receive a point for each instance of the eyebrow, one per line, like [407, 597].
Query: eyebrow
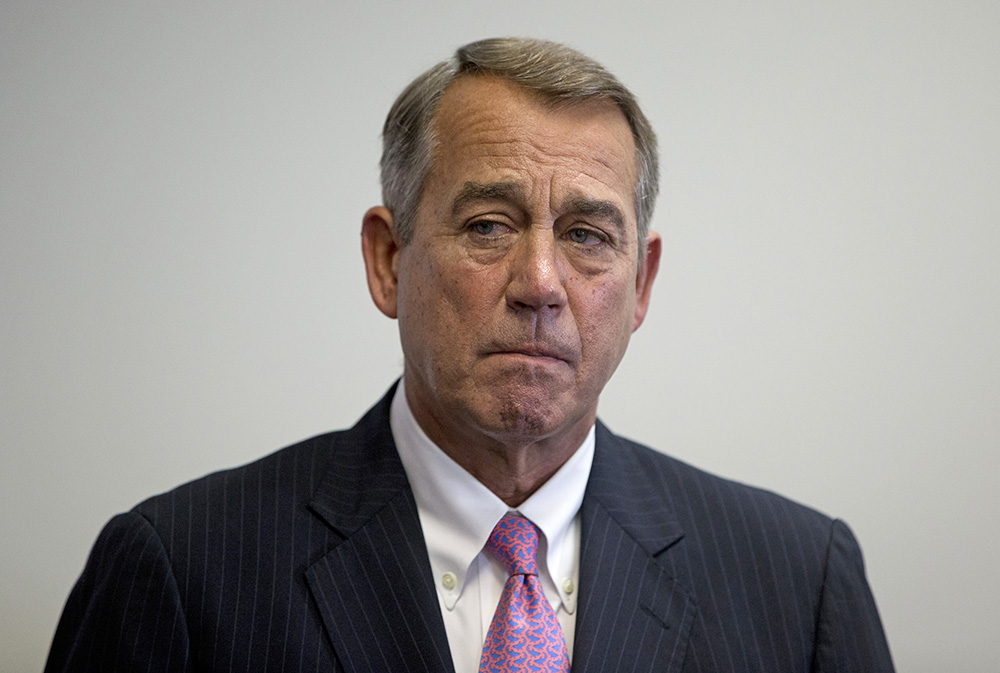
[472, 192]
[599, 208]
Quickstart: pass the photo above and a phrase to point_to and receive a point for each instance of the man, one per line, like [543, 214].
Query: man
[514, 251]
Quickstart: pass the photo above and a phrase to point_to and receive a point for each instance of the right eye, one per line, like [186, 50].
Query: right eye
[486, 227]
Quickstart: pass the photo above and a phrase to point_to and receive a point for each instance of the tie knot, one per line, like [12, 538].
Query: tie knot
[514, 541]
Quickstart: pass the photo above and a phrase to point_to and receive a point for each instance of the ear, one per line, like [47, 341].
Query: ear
[380, 247]
[648, 266]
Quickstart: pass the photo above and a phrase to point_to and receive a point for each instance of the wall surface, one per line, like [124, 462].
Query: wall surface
[181, 289]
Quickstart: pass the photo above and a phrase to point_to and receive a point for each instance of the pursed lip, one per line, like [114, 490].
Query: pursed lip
[542, 353]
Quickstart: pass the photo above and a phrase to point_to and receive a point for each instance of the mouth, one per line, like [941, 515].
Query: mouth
[532, 353]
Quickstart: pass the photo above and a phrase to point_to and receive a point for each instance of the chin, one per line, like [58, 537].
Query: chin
[524, 414]
[516, 421]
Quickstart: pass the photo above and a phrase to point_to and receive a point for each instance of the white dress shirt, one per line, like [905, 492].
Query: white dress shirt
[458, 513]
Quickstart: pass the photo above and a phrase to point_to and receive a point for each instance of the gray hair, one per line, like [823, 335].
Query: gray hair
[556, 72]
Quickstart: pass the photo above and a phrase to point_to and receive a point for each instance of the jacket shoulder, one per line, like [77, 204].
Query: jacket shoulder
[294, 468]
[708, 505]
[282, 481]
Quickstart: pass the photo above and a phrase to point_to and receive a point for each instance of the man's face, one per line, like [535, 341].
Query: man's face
[521, 284]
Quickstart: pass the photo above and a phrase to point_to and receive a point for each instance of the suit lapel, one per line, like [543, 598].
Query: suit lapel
[374, 592]
[373, 589]
[633, 614]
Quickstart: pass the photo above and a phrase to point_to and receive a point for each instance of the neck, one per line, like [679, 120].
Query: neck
[513, 472]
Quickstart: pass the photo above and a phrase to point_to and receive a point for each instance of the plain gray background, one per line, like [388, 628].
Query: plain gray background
[182, 289]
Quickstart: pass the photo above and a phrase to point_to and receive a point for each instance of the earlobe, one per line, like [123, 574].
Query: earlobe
[648, 266]
[380, 248]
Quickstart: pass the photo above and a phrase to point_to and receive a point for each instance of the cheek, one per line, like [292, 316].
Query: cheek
[441, 300]
[606, 321]
[418, 295]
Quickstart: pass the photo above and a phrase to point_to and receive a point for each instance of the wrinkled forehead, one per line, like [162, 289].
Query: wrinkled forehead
[472, 93]
[485, 121]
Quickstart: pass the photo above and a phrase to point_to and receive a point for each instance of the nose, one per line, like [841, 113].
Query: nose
[536, 281]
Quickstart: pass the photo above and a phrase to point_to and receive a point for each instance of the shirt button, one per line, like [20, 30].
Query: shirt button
[568, 585]
[448, 581]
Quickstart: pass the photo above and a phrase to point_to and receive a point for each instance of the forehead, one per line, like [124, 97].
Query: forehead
[488, 127]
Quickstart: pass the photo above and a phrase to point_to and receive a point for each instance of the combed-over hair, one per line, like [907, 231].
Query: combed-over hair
[554, 71]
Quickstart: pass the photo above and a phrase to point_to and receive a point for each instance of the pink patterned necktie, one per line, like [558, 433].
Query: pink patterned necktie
[525, 634]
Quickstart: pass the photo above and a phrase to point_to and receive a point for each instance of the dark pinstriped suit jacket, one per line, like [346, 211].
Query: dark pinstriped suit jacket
[312, 559]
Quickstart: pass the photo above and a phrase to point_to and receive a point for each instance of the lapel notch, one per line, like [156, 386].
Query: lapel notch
[634, 615]
[373, 589]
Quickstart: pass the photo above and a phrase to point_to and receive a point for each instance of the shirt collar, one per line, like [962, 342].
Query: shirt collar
[458, 513]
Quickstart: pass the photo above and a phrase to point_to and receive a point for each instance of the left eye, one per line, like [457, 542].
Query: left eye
[583, 236]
